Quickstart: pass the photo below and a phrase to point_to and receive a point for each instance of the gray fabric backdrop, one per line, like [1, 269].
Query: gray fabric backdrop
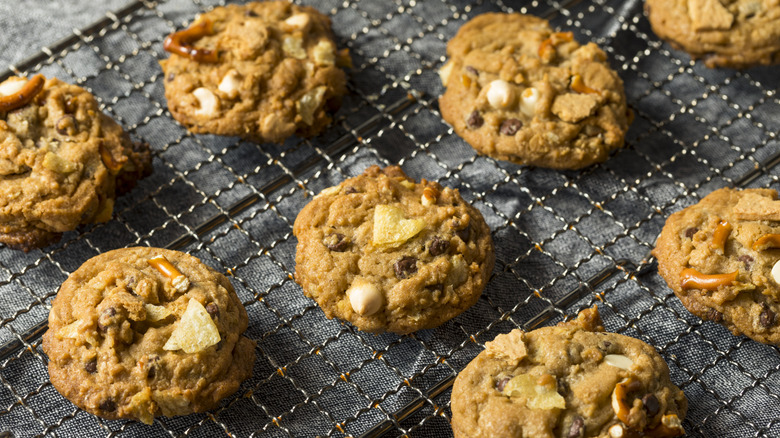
[696, 129]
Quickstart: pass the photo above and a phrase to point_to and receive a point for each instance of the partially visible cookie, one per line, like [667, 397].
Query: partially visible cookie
[62, 161]
[520, 92]
[389, 254]
[721, 257]
[725, 33]
[142, 332]
[569, 381]
[263, 71]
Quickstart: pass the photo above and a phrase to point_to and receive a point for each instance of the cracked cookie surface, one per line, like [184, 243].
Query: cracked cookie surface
[142, 332]
[725, 33]
[388, 254]
[263, 71]
[719, 258]
[517, 91]
[62, 162]
[569, 381]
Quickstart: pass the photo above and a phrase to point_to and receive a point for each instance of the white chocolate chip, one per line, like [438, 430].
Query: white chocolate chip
[616, 431]
[230, 84]
[364, 297]
[776, 272]
[500, 94]
[618, 361]
[444, 73]
[209, 103]
[528, 101]
[12, 86]
[298, 21]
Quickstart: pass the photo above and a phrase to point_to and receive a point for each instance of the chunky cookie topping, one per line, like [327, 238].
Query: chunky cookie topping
[720, 257]
[518, 91]
[141, 332]
[573, 381]
[62, 161]
[389, 254]
[725, 33]
[263, 71]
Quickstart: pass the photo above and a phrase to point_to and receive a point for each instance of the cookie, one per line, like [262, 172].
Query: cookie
[263, 71]
[518, 91]
[62, 161]
[143, 332]
[569, 381]
[388, 254]
[731, 33]
[721, 257]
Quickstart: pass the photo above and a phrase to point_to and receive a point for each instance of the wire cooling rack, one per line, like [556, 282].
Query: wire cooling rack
[564, 240]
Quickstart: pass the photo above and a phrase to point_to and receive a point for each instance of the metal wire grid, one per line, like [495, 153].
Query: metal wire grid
[565, 240]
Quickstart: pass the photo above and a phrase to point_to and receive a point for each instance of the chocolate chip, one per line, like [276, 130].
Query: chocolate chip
[350, 190]
[474, 120]
[405, 267]
[170, 76]
[650, 402]
[563, 387]
[104, 319]
[251, 13]
[107, 405]
[714, 316]
[70, 105]
[464, 233]
[91, 366]
[438, 246]
[767, 317]
[501, 384]
[747, 260]
[510, 126]
[151, 373]
[212, 309]
[472, 70]
[438, 287]
[336, 242]
[577, 429]
[690, 232]
[604, 346]
[66, 125]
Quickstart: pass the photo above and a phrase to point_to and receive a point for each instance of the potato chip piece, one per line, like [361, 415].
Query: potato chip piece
[195, 331]
[72, 330]
[391, 228]
[536, 396]
[156, 313]
[309, 104]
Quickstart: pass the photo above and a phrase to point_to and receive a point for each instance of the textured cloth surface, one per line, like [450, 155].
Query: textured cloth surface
[555, 233]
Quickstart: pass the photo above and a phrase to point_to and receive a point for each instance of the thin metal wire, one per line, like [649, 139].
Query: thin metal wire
[573, 229]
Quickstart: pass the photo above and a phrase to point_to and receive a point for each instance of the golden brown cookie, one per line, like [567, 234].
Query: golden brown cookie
[569, 381]
[520, 92]
[142, 332]
[388, 254]
[725, 33]
[263, 71]
[721, 257]
[62, 161]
